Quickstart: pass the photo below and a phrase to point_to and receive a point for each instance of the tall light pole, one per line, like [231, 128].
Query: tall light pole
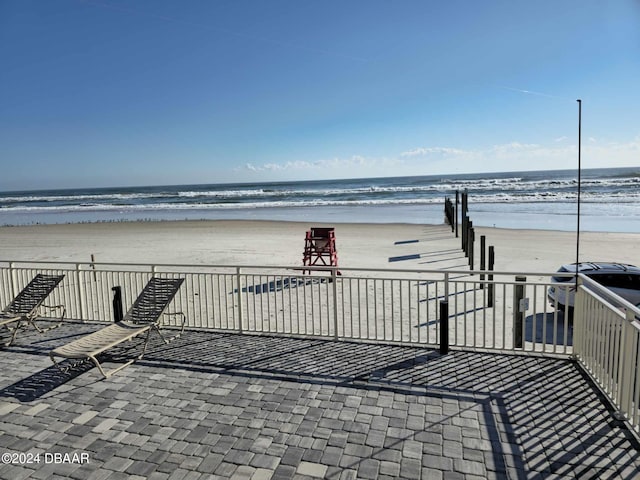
[579, 184]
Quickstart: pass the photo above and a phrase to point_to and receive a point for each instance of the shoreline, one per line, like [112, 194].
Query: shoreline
[595, 217]
[280, 243]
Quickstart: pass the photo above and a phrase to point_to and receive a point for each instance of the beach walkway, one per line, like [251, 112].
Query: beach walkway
[223, 405]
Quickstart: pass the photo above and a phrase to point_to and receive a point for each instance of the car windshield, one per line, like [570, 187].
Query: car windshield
[563, 278]
[618, 280]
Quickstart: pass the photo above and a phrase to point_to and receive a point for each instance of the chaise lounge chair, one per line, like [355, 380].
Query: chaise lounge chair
[143, 317]
[27, 307]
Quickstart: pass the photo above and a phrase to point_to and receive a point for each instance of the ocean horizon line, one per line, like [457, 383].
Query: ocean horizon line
[545, 198]
[444, 176]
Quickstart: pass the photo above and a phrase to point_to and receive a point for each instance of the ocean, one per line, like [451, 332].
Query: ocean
[610, 201]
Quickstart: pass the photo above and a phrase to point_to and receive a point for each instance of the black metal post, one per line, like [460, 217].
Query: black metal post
[579, 185]
[472, 239]
[491, 286]
[93, 267]
[518, 312]
[444, 327]
[117, 304]
[483, 263]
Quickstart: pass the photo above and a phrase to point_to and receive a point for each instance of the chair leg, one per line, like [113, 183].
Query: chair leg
[170, 339]
[32, 320]
[106, 374]
[146, 343]
[92, 359]
[14, 332]
[57, 365]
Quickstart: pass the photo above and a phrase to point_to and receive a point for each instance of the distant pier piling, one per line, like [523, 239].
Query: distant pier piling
[449, 213]
[456, 212]
[467, 236]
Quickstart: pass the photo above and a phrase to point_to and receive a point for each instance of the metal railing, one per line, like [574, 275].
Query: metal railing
[608, 346]
[392, 306]
[489, 311]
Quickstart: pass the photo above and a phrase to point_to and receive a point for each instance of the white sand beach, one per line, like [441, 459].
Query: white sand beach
[231, 242]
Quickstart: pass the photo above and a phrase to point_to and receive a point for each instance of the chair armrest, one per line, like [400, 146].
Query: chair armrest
[184, 318]
[56, 307]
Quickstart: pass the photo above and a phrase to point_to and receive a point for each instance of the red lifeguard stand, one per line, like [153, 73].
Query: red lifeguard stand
[320, 248]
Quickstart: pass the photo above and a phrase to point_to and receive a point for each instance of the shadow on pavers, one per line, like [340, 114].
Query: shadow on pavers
[43, 382]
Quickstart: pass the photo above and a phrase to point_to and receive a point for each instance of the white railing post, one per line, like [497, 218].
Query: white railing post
[239, 290]
[628, 365]
[334, 281]
[14, 287]
[578, 320]
[79, 292]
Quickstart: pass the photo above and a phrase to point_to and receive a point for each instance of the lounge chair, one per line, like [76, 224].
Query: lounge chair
[27, 307]
[143, 317]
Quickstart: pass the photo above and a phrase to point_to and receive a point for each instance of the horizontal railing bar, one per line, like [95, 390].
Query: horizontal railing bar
[326, 268]
[603, 291]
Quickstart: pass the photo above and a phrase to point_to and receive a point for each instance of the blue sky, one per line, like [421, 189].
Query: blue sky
[112, 92]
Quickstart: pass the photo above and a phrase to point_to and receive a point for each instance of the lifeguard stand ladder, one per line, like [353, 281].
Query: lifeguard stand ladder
[320, 248]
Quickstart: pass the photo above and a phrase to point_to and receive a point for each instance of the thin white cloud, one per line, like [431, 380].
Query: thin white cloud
[423, 151]
[322, 164]
[531, 92]
[429, 160]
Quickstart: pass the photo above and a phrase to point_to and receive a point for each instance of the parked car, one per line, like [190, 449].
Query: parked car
[620, 278]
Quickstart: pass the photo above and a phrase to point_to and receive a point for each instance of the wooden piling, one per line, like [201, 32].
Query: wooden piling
[449, 213]
[456, 212]
[464, 222]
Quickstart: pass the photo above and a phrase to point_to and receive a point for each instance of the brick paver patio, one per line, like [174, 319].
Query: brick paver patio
[217, 405]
